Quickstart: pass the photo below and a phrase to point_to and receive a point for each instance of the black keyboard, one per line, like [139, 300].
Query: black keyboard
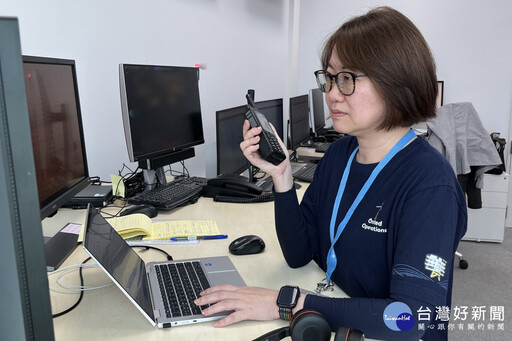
[305, 173]
[177, 193]
[322, 148]
[180, 284]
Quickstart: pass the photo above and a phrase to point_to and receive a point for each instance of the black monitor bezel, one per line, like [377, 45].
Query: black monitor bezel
[260, 105]
[317, 119]
[50, 206]
[26, 299]
[440, 94]
[241, 110]
[277, 102]
[298, 143]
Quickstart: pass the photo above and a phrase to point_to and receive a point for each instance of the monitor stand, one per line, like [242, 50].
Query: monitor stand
[154, 176]
[153, 169]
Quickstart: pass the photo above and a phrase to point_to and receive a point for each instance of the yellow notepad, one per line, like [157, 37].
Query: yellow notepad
[134, 225]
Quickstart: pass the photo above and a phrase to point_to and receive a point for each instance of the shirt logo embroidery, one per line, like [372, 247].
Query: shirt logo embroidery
[380, 209]
[435, 264]
[373, 224]
[404, 270]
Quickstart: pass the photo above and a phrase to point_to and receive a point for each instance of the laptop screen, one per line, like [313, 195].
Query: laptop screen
[118, 259]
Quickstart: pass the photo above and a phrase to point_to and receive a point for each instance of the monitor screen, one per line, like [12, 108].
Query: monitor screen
[161, 109]
[229, 122]
[273, 111]
[317, 106]
[56, 130]
[299, 121]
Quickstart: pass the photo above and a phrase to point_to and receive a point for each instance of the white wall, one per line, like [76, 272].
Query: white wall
[251, 44]
[243, 42]
[470, 40]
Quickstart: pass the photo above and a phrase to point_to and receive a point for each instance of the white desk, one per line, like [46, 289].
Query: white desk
[108, 315]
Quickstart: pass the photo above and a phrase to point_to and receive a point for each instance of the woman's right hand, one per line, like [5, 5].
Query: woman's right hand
[282, 173]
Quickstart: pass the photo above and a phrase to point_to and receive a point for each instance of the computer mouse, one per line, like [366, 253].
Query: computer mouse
[247, 245]
[148, 210]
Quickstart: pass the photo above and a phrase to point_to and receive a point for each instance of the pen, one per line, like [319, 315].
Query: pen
[217, 236]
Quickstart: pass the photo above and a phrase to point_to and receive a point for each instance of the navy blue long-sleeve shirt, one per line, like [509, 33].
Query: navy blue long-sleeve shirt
[399, 244]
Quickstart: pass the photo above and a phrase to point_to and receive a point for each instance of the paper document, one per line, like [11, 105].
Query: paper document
[134, 225]
[117, 186]
[183, 228]
[72, 228]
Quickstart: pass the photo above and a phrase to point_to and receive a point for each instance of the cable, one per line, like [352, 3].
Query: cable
[185, 170]
[125, 166]
[178, 174]
[95, 180]
[74, 288]
[79, 298]
[146, 247]
[110, 215]
[133, 182]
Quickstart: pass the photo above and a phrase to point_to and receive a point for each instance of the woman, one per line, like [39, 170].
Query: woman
[385, 213]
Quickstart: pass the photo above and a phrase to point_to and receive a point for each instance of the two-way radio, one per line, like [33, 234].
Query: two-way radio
[270, 149]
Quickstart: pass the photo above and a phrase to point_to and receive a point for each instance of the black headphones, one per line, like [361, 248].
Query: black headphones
[310, 325]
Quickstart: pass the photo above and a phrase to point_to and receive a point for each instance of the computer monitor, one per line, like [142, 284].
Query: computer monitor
[273, 111]
[161, 114]
[56, 130]
[299, 121]
[316, 98]
[229, 122]
[26, 308]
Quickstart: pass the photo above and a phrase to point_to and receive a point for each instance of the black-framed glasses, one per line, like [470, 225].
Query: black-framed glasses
[345, 81]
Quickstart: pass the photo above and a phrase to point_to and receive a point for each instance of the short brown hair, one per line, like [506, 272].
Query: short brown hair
[387, 47]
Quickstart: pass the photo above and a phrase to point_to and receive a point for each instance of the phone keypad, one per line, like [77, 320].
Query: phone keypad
[274, 143]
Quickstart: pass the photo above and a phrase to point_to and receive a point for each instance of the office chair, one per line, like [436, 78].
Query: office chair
[463, 264]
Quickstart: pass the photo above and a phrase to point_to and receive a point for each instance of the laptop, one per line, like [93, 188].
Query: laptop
[148, 286]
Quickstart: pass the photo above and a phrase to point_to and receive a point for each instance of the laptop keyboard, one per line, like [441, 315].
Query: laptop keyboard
[180, 284]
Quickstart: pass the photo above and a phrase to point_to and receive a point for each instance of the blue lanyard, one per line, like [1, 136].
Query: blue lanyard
[332, 261]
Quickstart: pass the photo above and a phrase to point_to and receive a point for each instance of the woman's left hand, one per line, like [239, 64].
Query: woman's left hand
[247, 303]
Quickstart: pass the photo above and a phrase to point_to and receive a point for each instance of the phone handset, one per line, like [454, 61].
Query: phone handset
[270, 149]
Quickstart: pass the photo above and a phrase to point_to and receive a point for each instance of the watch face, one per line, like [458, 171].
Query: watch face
[288, 297]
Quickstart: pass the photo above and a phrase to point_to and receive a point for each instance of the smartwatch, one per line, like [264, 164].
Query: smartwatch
[287, 300]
